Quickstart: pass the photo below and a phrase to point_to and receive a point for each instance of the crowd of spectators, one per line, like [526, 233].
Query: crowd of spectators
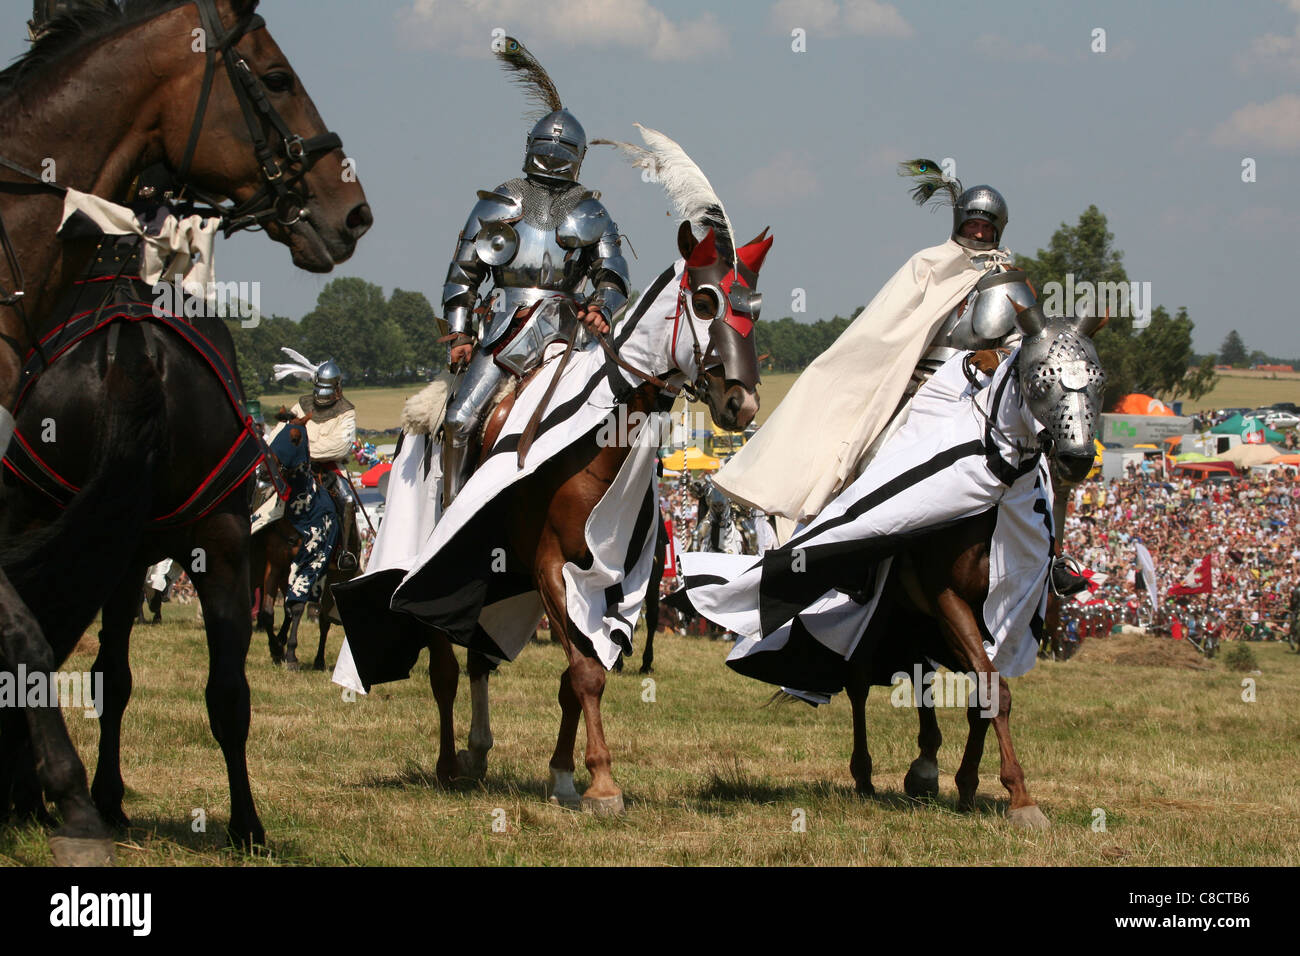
[1248, 527]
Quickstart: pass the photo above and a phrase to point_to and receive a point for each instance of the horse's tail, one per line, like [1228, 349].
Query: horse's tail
[66, 571]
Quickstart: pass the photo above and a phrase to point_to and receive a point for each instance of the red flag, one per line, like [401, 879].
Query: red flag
[1198, 581]
[670, 558]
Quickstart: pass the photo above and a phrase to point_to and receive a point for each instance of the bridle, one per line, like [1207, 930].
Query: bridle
[277, 199]
[283, 165]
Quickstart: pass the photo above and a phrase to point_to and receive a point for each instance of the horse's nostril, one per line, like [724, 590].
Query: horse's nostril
[360, 219]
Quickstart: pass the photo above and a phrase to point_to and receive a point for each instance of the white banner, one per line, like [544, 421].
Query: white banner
[1148, 572]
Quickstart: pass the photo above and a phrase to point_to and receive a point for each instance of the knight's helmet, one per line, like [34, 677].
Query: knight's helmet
[326, 384]
[556, 147]
[979, 202]
[557, 142]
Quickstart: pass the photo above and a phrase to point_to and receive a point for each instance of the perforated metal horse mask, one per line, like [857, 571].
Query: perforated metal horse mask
[1062, 380]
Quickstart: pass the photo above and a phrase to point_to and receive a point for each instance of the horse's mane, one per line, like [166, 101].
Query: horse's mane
[77, 28]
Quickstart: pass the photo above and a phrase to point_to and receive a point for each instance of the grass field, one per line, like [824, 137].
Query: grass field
[381, 408]
[1185, 771]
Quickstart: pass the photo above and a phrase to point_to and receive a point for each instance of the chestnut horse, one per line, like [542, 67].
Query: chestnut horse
[542, 519]
[105, 94]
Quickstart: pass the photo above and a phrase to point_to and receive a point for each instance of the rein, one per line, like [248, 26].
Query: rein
[276, 199]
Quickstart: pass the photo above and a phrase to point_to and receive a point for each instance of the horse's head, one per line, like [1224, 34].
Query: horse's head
[256, 139]
[1062, 380]
[724, 298]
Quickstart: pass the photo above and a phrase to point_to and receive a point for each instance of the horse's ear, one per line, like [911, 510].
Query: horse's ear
[1029, 319]
[1090, 325]
[686, 241]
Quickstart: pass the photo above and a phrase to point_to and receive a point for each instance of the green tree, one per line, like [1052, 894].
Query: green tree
[1233, 349]
[416, 321]
[1154, 360]
[351, 325]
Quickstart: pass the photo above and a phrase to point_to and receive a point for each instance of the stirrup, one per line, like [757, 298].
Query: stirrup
[347, 561]
[1066, 577]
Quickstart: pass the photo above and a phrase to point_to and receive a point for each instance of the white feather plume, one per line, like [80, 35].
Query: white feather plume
[301, 366]
[689, 190]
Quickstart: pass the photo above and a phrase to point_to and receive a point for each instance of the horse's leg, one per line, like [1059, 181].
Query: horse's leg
[473, 762]
[963, 637]
[20, 791]
[114, 664]
[857, 688]
[222, 590]
[585, 682]
[292, 618]
[326, 607]
[444, 676]
[968, 773]
[922, 780]
[82, 839]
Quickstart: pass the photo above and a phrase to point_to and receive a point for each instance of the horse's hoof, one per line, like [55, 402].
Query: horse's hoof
[647, 670]
[81, 851]
[604, 806]
[922, 780]
[562, 791]
[318, 666]
[1028, 818]
[292, 666]
[247, 839]
[864, 789]
[470, 765]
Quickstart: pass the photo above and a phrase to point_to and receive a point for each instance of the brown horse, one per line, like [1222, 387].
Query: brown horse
[272, 552]
[933, 601]
[103, 95]
[541, 521]
[930, 612]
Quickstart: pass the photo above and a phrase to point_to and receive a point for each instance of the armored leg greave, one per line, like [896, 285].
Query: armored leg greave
[463, 416]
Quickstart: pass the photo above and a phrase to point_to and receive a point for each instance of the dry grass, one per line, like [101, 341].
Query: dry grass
[1186, 772]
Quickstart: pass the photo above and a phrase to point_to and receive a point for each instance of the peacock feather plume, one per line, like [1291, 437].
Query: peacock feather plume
[530, 75]
[931, 186]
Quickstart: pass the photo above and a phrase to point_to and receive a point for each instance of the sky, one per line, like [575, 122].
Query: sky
[1154, 130]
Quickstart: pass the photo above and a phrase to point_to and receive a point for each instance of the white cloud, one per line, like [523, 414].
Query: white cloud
[864, 18]
[465, 27]
[1275, 51]
[1271, 125]
[786, 178]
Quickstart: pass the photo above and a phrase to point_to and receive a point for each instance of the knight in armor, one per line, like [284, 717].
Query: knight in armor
[331, 422]
[311, 512]
[960, 297]
[543, 240]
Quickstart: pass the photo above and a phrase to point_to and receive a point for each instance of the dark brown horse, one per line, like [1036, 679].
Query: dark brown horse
[933, 600]
[929, 612]
[142, 418]
[273, 550]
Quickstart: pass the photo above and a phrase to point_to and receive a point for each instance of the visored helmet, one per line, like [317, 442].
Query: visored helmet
[327, 383]
[556, 148]
[979, 202]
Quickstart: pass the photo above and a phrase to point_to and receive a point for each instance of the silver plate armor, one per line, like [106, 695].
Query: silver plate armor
[540, 245]
[529, 237]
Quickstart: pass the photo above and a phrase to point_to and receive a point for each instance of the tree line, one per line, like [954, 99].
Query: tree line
[380, 340]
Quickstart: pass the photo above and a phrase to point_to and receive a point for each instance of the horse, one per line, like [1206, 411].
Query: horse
[932, 604]
[272, 552]
[144, 416]
[541, 522]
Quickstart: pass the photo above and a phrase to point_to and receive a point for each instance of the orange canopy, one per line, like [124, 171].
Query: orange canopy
[1138, 404]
